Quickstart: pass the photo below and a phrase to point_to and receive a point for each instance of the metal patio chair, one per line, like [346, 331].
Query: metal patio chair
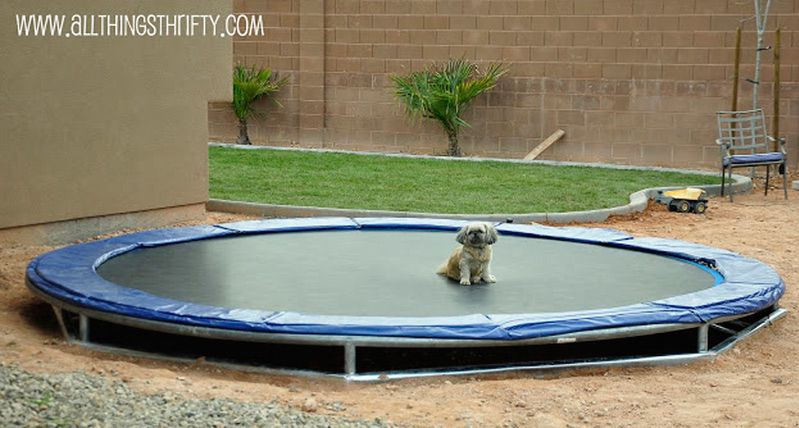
[744, 142]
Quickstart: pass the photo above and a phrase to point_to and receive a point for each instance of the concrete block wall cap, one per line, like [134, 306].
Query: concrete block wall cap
[639, 200]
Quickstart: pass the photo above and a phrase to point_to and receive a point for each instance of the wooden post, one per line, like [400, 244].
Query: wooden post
[775, 129]
[736, 69]
[736, 75]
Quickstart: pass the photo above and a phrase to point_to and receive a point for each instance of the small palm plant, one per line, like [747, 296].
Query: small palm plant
[250, 84]
[443, 92]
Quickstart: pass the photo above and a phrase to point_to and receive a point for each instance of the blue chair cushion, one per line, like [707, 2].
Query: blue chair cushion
[771, 157]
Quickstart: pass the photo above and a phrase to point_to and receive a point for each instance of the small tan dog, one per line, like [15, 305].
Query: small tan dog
[470, 263]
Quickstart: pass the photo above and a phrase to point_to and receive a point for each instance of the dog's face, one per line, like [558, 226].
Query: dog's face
[477, 234]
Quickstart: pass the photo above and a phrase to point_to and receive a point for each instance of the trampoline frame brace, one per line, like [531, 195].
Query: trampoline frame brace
[350, 348]
[80, 333]
[59, 316]
[83, 328]
[703, 338]
[349, 359]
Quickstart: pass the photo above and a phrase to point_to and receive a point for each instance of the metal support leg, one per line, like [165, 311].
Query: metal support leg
[349, 358]
[768, 169]
[723, 171]
[785, 179]
[702, 339]
[83, 328]
[59, 316]
[729, 178]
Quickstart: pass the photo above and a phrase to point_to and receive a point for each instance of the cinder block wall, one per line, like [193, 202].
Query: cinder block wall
[630, 81]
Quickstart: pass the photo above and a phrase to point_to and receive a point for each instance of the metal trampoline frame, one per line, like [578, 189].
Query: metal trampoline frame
[76, 322]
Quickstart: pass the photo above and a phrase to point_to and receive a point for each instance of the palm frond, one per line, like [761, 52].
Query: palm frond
[250, 84]
[443, 91]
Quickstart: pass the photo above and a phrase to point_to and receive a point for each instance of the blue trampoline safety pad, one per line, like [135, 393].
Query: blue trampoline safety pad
[743, 285]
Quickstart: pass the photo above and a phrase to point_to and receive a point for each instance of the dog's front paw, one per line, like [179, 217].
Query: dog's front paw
[491, 279]
[465, 281]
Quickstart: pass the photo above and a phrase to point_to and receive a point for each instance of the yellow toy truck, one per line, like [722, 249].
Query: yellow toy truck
[685, 200]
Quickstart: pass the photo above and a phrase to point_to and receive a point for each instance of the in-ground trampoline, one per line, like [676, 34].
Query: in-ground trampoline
[358, 297]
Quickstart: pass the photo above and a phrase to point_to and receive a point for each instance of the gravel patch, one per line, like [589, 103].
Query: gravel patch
[83, 400]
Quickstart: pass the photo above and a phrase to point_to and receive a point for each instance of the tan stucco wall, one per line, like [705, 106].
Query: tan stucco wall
[94, 126]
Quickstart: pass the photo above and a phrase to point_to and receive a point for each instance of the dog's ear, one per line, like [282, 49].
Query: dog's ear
[491, 234]
[461, 237]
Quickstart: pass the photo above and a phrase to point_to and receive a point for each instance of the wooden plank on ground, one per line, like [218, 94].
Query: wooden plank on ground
[552, 139]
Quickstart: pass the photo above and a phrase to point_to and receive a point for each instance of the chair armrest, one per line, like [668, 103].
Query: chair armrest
[780, 140]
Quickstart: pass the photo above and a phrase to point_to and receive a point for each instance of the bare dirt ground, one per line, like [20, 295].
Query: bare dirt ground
[755, 384]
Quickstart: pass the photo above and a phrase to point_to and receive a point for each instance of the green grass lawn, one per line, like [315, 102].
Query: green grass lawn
[424, 185]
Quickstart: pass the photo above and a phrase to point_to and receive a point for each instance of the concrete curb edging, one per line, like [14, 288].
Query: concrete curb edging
[638, 203]
[638, 200]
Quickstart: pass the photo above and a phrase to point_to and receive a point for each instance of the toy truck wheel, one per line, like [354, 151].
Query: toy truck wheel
[682, 206]
[700, 207]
